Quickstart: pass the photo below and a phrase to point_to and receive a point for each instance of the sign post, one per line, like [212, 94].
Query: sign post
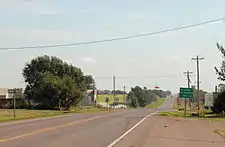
[186, 93]
[107, 101]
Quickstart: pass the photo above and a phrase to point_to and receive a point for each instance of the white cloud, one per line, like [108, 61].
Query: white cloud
[46, 35]
[29, 7]
[135, 16]
[55, 35]
[88, 60]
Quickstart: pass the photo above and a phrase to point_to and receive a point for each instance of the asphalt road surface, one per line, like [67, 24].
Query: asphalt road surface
[78, 130]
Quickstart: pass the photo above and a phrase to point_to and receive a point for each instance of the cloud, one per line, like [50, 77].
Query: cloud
[29, 7]
[52, 35]
[135, 16]
[88, 60]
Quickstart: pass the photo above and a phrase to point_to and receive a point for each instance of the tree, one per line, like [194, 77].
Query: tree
[90, 83]
[133, 100]
[161, 93]
[221, 72]
[50, 80]
[221, 88]
[141, 97]
[219, 103]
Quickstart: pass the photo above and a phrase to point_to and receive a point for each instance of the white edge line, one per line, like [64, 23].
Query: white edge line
[130, 130]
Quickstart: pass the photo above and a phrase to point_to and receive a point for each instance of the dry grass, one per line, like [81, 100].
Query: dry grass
[7, 114]
[22, 114]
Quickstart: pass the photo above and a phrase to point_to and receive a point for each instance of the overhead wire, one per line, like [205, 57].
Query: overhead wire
[114, 39]
[141, 77]
[149, 77]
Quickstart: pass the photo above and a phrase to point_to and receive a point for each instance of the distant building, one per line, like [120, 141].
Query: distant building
[90, 98]
[6, 93]
[209, 99]
[7, 96]
[3, 93]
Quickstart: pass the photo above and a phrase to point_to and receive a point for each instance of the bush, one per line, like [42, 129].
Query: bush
[219, 103]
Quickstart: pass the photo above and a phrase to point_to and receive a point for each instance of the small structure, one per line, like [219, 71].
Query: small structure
[6, 93]
[90, 98]
[3, 93]
[209, 99]
[7, 96]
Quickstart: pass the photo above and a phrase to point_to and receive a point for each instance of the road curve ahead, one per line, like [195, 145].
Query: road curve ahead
[78, 130]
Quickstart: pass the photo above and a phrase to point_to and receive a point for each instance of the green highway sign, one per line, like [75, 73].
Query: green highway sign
[186, 92]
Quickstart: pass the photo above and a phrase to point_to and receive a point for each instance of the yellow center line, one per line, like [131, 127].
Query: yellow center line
[51, 128]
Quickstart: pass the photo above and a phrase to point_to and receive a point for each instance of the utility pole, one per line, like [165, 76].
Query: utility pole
[124, 90]
[188, 78]
[94, 93]
[197, 59]
[14, 103]
[114, 88]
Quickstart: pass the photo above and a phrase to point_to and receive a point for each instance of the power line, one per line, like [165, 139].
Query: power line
[151, 77]
[114, 39]
[140, 77]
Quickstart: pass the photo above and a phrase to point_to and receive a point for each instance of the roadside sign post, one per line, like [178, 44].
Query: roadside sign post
[107, 101]
[186, 93]
[14, 103]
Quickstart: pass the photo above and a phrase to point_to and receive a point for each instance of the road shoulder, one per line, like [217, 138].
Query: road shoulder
[160, 131]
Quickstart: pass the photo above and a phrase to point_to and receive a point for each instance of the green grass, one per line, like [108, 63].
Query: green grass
[7, 115]
[156, 104]
[189, 114]
[22, 114]
[173, 113]
[102, 97]
[90, 110]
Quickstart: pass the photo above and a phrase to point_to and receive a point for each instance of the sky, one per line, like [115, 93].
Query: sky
[147, 61]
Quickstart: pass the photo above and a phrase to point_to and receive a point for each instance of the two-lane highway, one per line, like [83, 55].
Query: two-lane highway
[78, 130]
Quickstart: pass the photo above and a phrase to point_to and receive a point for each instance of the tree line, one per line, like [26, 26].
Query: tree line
[140, 97]
[111, 92]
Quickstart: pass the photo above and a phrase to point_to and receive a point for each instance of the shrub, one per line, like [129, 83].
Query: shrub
[219, 103]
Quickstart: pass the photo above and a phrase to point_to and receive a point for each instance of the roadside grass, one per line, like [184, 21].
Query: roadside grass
[173, 114]
[190, 114]
[156, 104]
[102, 97]
[23, 114]
[89, 110]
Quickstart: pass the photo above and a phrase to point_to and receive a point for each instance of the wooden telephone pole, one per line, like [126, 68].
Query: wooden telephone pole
[197, 61]
[188, 78]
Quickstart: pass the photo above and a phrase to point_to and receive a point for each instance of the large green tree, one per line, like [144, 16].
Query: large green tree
[219, 102]
[139, 97]
[221, 72]
[51, 82]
